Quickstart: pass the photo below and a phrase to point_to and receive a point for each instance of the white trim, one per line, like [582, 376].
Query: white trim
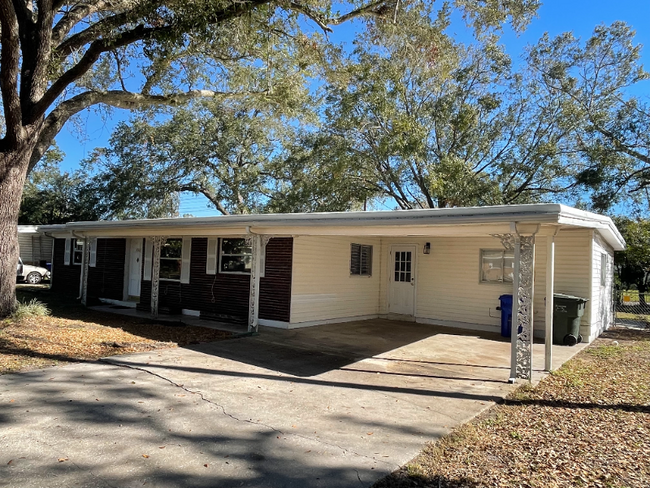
[277, 324]
[191, 313]
[122, 303]
[311, 323]
[221, 254]
[548, 314]
[459, 325]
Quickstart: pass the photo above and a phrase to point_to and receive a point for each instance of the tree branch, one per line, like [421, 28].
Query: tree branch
[118, 99]
[10, 62]
[375, 8]
[75, 15]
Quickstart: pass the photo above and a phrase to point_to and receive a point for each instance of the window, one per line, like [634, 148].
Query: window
[236, 256]
[360, 260]
[603, 269]
[171, 259]
[77, 251]
[497, 266]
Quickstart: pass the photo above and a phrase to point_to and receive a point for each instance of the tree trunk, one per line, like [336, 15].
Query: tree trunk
[13, 170]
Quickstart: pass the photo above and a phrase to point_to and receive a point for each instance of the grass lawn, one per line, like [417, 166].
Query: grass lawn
[74, 333]
[586, 425]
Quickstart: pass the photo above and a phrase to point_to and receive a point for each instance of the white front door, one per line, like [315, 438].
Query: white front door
[135, 267]
[402, 280]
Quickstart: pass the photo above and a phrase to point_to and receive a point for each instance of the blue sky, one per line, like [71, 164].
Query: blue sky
[554, 17]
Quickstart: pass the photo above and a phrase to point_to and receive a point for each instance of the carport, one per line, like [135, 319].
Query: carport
[433, 266]
[336, 405]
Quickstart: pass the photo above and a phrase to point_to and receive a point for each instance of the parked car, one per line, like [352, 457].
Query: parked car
[31, 274]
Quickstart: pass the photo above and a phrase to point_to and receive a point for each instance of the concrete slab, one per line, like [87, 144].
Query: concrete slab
[332, 406]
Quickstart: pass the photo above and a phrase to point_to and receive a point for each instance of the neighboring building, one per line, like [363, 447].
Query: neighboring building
[35, 247]
[438, 266]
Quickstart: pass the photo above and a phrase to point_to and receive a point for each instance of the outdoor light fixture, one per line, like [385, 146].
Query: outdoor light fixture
[427, 248]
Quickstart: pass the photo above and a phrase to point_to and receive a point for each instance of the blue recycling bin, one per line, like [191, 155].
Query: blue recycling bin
[506, 314]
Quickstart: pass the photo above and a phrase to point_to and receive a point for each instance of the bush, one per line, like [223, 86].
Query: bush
[33, 308]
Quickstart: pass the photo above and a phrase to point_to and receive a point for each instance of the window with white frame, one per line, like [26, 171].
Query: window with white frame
[236, 256]
[77, 251]
[603, 269]
[497, 266]
[360, 260]
[171, 259]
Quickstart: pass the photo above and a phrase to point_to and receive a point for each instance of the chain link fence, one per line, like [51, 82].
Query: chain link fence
[632, 308]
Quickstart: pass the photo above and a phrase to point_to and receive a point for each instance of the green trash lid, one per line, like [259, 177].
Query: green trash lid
[564, 296]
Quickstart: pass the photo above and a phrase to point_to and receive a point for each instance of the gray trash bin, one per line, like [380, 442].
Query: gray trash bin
[568, 312]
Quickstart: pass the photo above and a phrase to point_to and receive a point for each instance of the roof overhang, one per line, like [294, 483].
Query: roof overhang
[447, 222]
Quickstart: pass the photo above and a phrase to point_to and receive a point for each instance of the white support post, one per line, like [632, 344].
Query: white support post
[550, 307]
[256, 269]
[155, 274]
[85, 261]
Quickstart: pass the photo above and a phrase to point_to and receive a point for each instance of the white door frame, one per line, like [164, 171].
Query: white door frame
[391, 274]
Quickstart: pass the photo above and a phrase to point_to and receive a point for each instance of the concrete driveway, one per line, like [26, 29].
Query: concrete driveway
[332, 406]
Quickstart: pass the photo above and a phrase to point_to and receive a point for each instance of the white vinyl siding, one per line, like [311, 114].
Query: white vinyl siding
[602, 282]
[448, 287]
[448, 282]
[322, 287]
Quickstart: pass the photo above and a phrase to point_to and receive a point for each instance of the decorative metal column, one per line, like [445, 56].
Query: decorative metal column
[158, 241]
[85, 262]
[523, 287]
[521, 343]
[257, 247]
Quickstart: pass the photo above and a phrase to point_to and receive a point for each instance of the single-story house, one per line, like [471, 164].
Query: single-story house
[437, 266]
[35, 248]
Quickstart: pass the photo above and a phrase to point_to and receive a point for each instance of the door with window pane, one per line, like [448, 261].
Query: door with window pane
[402, 280]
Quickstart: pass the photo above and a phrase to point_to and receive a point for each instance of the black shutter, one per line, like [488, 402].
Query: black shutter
[355, 259]
[366, 261]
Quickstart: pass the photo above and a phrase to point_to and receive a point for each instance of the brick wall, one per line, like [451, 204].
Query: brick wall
[225, 296]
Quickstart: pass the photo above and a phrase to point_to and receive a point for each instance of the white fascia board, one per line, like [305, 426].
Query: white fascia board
[239, 223]
[507, 213]
[27, 229]
[603, 224]
[425, 222]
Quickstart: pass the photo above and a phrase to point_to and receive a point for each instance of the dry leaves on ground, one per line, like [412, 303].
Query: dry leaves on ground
[73, 333]
[587, 425]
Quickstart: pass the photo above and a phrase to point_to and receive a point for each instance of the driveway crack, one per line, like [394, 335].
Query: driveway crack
[248, 421]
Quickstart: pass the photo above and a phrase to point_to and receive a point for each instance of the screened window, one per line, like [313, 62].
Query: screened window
[360, 260]
[236, 256]
[497, 266]
[77, 251]
[171, 259]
